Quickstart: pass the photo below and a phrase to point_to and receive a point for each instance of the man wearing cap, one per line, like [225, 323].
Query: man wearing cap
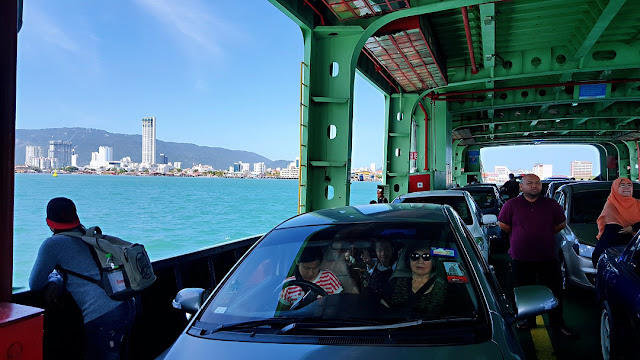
[381, 198]
[107, 323]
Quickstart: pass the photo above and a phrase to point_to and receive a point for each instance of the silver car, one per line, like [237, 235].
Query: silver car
[582, 203]
[482, 227]
[266, 307]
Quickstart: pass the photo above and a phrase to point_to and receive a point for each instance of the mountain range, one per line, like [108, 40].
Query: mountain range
[85, 141]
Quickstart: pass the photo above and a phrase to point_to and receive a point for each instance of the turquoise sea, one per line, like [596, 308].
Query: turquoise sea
[170, 216]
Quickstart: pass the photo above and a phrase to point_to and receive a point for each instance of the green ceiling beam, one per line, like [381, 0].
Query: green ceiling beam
[605, 18]
[553, 61]
[609, 12]
[488, 27]
[598, 126]
[578, 114]
[515, 99]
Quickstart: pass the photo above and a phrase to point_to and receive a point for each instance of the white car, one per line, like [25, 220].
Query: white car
[462, 202]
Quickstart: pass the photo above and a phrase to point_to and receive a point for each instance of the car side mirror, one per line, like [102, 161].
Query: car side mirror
[533, 300]
[489, 219]
[189, 299]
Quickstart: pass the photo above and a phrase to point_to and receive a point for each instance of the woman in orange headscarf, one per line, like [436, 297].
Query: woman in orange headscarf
[620, 218]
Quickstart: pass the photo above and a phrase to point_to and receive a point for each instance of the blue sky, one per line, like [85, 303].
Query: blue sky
[214, 73]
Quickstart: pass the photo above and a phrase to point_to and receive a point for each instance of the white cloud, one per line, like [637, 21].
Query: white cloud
[46, 28]
[200, 30]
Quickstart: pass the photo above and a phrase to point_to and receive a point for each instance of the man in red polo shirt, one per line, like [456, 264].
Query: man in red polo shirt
[533, 220]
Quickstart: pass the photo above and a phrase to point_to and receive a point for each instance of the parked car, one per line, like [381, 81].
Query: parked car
[463, 203]
[487, 198]
[582, 203]
[553, 186]
[618, 289]
[489, 201]
[245, 317]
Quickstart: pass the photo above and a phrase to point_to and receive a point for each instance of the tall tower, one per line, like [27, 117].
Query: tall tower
[149, 140]
[59, 153]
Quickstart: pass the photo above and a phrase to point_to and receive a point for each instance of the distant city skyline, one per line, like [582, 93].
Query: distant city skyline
[526, 156]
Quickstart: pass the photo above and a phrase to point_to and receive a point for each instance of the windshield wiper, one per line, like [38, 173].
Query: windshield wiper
[208, 330]
[377, 326]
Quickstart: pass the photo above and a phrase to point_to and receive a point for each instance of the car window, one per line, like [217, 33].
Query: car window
[484, 198]
[458, 203]
[586, 206]
[272, 281]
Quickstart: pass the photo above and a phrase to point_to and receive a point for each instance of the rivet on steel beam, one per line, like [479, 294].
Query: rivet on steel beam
[488, 20]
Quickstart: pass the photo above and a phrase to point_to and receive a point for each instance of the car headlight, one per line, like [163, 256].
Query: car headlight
[583, 249]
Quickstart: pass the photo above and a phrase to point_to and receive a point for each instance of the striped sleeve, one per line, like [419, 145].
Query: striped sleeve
[329, 282]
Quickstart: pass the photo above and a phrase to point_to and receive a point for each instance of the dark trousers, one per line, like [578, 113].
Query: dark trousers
[545, 273]
[107, 337]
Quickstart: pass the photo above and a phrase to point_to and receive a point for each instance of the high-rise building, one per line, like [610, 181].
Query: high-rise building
[163, 159]
[149, 140]
[581, 170]
[59, 153]
[105, 153]
[32, 155]
[74, 158]
[259, 168]
[543, 170]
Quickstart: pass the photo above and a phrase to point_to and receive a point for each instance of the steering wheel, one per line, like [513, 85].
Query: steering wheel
[312, 291]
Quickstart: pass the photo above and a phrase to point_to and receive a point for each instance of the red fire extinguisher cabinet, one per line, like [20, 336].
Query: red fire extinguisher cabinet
[21, 332]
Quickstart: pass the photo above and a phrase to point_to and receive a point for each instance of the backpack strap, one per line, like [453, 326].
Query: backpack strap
[92, 232]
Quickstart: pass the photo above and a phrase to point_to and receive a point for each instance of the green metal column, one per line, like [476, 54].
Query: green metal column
[440, 145]
[623, 159]
[632, 147]
[602, 152]
[327, 117]
[612, 156]
[397, 143]
[458, 161]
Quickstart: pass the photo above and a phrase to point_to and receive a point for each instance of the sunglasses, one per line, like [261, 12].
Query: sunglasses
[416, 256]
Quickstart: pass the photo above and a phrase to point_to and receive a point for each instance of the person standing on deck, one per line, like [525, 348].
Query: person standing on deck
[381, 199]
[533, 220]
[107, 323]
[511, 187]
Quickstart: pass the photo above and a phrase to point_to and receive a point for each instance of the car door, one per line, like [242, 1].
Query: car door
[479, 231]
[624, 291]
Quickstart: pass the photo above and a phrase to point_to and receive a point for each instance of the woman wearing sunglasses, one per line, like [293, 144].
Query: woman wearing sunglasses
[424, 291]
[620, 218]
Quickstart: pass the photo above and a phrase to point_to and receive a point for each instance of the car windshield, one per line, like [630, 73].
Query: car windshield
[321, 272]
[458, 203]
[485, 198]
[586, 206]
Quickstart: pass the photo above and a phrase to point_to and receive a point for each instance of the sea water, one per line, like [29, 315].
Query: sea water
[169, 215]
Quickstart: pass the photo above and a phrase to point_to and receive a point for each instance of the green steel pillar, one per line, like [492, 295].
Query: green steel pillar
[458, 161]
[612, 161]
[602, 151]
[397, 144]
[632, 147]
[327, 116]
[623, 159]
[440, 145]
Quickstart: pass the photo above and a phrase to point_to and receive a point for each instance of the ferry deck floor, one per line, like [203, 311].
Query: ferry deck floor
[582, 316]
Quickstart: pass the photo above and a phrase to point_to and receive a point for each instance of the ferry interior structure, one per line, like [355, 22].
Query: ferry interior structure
[457, 76]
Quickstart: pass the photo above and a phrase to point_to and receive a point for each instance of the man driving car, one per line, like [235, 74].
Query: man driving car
[308, 271]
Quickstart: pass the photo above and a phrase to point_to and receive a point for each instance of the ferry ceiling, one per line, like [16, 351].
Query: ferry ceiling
[460, 75]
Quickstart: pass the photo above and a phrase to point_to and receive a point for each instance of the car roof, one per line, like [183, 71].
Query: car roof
[387, 212]
[421, 194]
[476, 187]
[587, 185]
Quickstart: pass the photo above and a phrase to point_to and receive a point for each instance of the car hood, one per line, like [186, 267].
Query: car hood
[586, 233]
[190, 347]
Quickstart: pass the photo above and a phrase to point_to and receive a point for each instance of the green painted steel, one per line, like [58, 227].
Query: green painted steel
[533, 56]
[397, 142]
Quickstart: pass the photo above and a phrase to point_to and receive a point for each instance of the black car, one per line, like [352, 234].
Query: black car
[618, 289]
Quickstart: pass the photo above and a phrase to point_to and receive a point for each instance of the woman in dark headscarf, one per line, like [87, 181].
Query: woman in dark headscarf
[425, 290]
[620, 218]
